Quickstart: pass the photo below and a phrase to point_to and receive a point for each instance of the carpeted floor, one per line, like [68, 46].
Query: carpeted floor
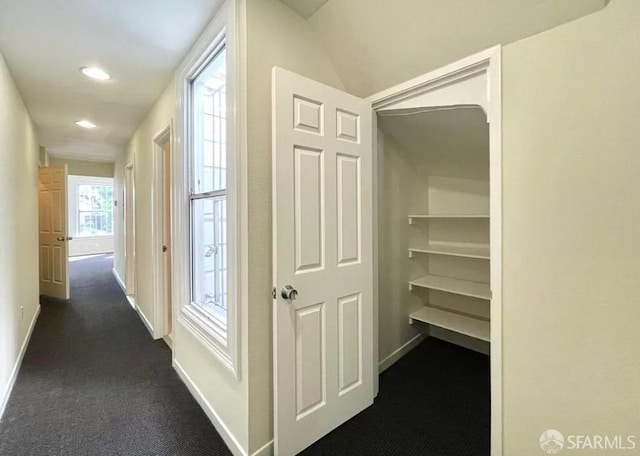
[433, 402]
[94, 383]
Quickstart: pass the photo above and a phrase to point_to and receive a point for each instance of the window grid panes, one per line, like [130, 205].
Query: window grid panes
[95, 210]
[209, 199]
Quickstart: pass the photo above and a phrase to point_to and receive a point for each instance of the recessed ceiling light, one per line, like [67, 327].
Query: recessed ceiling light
[85, 124]
[95, 73]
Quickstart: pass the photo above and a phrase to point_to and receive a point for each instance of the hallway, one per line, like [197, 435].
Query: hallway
[93, 382]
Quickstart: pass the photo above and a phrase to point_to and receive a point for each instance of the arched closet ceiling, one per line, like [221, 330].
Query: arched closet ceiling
[375, 44]
[457, 132]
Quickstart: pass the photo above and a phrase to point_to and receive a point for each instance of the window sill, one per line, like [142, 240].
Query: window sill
[209, 335]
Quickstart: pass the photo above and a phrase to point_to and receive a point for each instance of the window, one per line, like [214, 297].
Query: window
[206, 173]
[95, 210]
[90, 207]
[209, 197]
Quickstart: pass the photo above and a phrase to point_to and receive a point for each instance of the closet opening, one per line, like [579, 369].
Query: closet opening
[434, 266]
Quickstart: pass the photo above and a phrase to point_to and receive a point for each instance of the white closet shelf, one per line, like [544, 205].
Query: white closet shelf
[456, 286]
[457, 251]
[446, 216]
[472, 327]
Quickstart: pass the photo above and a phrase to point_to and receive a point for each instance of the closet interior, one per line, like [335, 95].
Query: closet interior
[433, 212]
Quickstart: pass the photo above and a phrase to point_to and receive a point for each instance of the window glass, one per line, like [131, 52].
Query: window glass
[209, 197]
[210, 126]
[95, 210]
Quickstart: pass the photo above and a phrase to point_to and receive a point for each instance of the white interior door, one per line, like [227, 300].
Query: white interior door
[322, 221]
[54, 251]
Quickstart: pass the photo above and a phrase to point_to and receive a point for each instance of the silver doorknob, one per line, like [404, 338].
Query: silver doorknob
[289, 293]
[60, 239]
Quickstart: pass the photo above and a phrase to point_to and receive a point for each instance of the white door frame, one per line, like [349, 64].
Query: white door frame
[438, 88]
[130, 232]
[160, 302]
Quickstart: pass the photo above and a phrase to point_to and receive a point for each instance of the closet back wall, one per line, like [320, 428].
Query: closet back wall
[433, 162]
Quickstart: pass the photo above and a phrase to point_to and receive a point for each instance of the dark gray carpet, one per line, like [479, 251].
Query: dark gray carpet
[94, 383]
[433, 402]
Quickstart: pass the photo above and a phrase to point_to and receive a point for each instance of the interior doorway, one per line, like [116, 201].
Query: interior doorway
[432, 198]
[161, 237]
[130, 233]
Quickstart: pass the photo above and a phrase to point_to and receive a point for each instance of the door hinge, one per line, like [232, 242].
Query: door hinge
[273, 293]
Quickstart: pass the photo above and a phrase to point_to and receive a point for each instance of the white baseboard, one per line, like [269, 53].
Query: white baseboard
[168, 339]
[130, 299]
[146, 322]
[221, 427]
[4, 399]
[132, 302]
[119, 280]
[266, 450]
[399, 353]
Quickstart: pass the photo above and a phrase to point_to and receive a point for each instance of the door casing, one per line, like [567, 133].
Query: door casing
[130, 233]
[161, 270]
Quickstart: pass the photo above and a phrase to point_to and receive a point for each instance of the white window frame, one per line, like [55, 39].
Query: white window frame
[222, 342]
[73, 183]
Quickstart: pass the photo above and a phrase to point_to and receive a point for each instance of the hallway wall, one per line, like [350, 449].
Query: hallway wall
[140, 150]
[84, 167]
[19, 276]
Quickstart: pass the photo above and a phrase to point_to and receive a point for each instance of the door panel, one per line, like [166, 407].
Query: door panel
[53, 236]
[350, 342]
[349, 225]
[309, 209]
[322, 181]
[310, 355]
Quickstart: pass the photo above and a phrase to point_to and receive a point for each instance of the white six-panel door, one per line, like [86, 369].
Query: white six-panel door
[322, 221]
[53, 239]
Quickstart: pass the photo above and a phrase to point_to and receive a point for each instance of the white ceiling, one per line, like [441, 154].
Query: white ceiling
[45, 42]
[305, 8]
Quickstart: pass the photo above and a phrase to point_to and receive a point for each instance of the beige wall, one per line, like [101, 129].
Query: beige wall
[140, 151]
[375, 45]
[84, 167]
[276, 36]
[571, 244]
[19, 156]
[401, 180]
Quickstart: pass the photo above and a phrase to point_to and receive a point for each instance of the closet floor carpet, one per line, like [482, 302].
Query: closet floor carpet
[435, 401]
[94, 383]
